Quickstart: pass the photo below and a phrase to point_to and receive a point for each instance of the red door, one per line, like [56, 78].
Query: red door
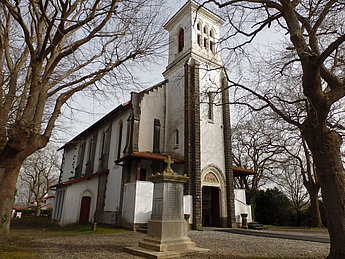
[85, 210]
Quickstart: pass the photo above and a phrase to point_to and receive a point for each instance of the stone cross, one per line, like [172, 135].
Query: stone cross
[169, 161]
[168, 169]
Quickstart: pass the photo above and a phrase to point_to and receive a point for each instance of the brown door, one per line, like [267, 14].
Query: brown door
[215, 218]
[210, 206]
[85, 210]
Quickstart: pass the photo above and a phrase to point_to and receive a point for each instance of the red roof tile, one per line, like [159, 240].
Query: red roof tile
[149, 156]
[239, 171]
[85, 177]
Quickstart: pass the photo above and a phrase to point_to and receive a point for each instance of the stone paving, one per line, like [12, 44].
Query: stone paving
[222, 244]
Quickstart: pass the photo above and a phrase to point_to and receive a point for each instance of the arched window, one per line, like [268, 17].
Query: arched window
[211, 33]
[180, 40]
[198, 26]
[205, 30]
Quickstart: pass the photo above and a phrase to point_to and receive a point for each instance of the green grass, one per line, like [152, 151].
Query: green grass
[18, 243]
[293, 227]
[43, 223]
[86, 229]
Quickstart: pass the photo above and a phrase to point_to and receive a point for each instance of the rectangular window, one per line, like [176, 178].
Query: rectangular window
[210, 106]
[176, 137]
[156, 136]
[199, 39]
[205, 43]
[119, 142]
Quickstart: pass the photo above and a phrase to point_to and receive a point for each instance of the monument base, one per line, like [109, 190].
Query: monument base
[167, 235]
[140, 251]
[167, 229]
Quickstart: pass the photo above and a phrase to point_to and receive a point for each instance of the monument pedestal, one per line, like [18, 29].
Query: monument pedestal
[167, 228]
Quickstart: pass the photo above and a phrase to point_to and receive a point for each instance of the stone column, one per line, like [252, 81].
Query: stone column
[230, 195]
[192, 138]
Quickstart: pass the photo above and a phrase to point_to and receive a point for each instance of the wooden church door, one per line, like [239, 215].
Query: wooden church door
[85, 210]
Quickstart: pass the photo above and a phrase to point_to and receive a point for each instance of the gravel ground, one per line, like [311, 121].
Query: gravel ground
[221, 245]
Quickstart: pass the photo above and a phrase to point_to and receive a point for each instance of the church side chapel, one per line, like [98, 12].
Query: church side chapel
[105, 169]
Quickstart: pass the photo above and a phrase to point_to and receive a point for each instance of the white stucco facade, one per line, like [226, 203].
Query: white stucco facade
[138, 206]
[72, 201]
[111, 161]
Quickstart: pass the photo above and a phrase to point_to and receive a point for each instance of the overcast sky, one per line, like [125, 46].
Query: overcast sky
[89, 110]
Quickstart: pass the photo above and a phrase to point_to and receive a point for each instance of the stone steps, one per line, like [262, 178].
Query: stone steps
[256, 225]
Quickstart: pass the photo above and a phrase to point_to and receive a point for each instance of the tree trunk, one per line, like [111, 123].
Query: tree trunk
[9, 173]
[325, 147]
[38, 209]
[316, 221]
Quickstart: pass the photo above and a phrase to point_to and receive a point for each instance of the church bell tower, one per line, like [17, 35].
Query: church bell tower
[198, 117]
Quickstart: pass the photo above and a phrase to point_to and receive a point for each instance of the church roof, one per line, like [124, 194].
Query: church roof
[122, 107]
[107, 117]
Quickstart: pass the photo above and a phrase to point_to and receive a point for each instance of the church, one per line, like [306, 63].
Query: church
[105, 169]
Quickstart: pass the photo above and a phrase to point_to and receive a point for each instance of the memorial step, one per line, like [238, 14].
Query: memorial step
[255, 225]
[142, 229]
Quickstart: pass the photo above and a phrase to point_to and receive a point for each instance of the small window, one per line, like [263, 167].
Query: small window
[198, 26]
[199, 39]
[180, 40]
[205, 30]
[176, 137]
[210, 106]
[205, 43]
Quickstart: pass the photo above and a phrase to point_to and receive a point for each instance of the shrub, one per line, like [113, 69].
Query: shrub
[271, 207]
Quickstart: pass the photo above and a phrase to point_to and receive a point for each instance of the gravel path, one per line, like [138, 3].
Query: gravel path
[222, 245]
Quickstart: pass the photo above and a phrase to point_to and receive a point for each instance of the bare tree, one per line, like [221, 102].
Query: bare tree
[291, 182]
[316, 35]
[49, 51]
[39, 171]
[255, 146]
[283, 158]
[300, 156]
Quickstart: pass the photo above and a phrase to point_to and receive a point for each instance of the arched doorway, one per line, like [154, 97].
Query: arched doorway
[85, 210]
